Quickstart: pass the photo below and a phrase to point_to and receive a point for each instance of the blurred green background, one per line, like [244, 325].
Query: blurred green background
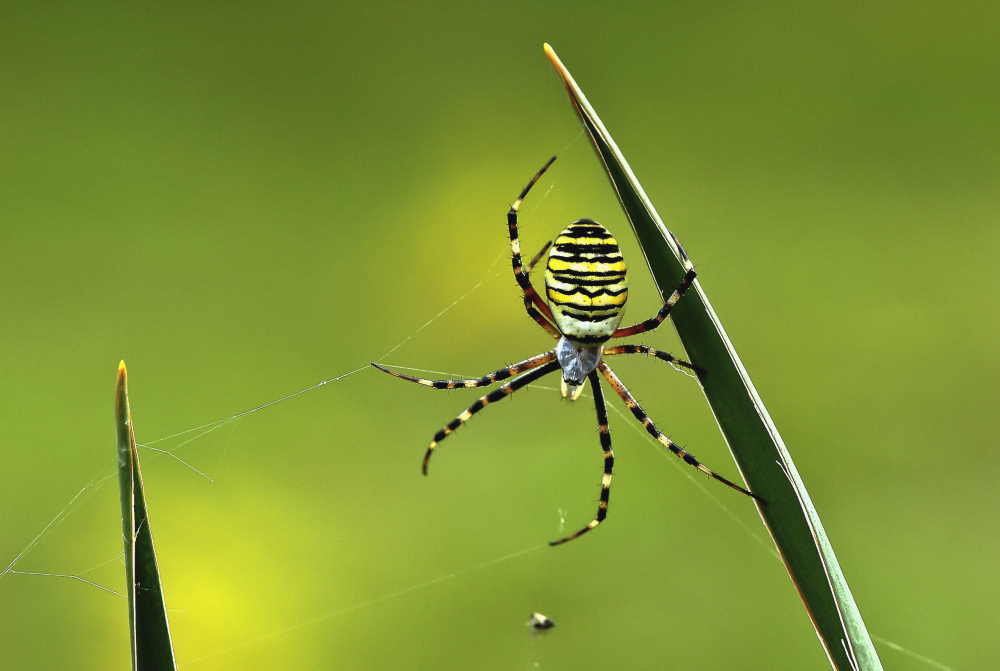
[242, 200]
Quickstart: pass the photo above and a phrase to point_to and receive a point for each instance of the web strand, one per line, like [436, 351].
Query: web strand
[365, 604]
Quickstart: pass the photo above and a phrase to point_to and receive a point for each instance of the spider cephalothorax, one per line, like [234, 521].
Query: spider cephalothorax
[586, 288]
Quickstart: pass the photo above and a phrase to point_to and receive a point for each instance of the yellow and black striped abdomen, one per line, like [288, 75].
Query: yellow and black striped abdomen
[585, 282]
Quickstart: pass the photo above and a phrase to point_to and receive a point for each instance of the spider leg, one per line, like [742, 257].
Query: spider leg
[537, 257]
[609, 459]
[504, 391]
[657, 319]
[645, 349]
[533, 303]
[484, 381]
[644, 419]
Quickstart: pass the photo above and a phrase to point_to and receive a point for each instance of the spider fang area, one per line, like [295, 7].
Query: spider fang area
[576, 361]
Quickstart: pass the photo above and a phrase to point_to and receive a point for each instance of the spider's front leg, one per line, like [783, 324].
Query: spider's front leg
[484, 381]
[644, 419]
[501, 393]
[609, 458]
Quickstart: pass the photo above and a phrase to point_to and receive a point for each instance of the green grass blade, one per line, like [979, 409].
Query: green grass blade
[149, 630]
[753, 440]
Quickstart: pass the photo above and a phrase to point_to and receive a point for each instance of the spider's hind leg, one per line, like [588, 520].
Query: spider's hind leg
[645, 349]
[537, 257]
[533, 303]
[659, 317]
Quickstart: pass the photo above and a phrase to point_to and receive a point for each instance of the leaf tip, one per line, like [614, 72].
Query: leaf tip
[551, 54]
[122, 382]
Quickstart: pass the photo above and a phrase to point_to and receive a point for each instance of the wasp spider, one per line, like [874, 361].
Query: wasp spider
[586, 288]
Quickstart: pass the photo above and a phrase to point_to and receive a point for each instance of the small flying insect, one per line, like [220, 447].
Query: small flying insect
[539, 624]
[586, 288]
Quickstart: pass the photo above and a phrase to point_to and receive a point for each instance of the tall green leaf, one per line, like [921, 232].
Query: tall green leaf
[149, 630]
[766, 466]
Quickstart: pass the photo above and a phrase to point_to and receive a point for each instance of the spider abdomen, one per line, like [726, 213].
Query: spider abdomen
[585, 282]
